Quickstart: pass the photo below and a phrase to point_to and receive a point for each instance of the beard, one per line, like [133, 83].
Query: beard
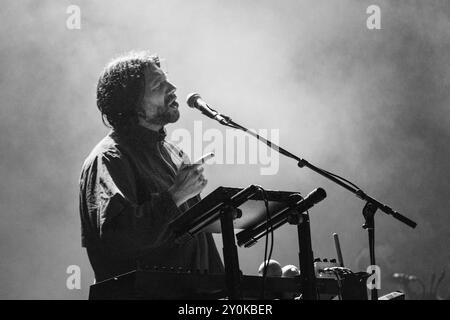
[169, 116]
[164, 115]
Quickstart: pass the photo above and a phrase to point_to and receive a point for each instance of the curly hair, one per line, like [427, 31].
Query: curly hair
[121, 87]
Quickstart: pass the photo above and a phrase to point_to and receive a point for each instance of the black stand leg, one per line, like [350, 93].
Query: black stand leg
[306, 257]
[230, 254]
[369, 216]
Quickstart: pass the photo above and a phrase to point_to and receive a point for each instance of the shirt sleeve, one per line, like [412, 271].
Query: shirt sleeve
[127, 225]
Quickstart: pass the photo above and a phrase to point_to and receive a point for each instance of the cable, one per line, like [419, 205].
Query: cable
[340, 178]
[269, 230]
[266, 262]
[337, 272]
[230, 123]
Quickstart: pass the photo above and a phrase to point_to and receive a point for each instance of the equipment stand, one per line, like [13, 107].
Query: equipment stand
[305, 255]
[230, 254]
[369, 216]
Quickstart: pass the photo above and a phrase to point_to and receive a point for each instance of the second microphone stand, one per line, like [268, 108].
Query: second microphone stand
[372, 205]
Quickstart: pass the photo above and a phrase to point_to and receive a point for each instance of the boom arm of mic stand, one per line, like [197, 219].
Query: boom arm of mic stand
[303, 163]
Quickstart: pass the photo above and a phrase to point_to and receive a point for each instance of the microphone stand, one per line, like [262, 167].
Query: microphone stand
[371, 206]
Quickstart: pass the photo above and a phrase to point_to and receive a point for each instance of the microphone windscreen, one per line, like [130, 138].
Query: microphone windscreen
[191, 99]
[316, 195]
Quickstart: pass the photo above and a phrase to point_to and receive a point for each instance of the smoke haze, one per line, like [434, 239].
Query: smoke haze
[371, 105]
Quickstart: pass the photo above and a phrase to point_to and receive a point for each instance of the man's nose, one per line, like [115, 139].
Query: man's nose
[171, 87]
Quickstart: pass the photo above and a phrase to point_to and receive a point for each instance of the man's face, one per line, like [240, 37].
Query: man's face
[159, 106]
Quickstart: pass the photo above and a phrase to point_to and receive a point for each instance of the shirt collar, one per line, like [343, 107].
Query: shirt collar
[149, 136]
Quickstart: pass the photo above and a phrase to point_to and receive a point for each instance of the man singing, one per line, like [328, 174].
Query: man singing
[134, 182]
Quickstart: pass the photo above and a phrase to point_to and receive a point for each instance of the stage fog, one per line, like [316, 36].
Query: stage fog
[369, 104]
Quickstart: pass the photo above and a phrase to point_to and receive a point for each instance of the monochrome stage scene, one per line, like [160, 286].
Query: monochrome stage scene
[225, 150]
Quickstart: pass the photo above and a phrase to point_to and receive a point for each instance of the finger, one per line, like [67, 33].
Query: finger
[190, 166]
[184, 165]
[200, 170]
[202, 182]
[205, 158]
[195, 172]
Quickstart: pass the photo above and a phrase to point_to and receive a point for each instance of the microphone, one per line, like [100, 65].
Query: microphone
[250, 236]
[194, 100]
[310, 200]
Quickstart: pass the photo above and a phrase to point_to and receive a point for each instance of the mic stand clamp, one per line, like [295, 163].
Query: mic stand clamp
[301, 163]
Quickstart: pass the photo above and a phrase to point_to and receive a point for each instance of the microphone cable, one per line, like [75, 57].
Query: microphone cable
[267, 256]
